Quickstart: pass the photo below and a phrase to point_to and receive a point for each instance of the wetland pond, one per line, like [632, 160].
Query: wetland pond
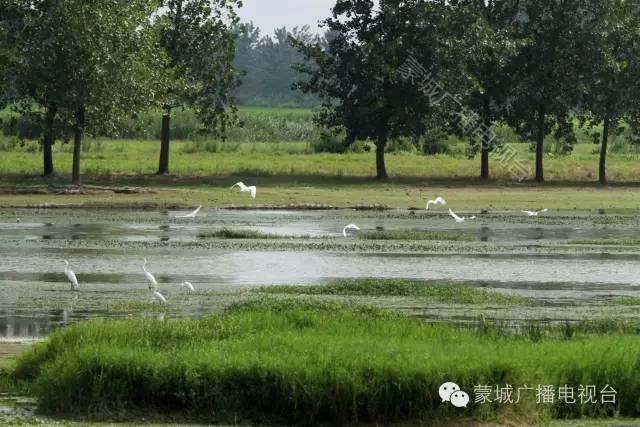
[574, 265]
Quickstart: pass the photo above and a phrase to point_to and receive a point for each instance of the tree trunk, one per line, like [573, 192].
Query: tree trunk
[78, 132]
[486, 142]
[603, 150]
[49, 138]
[381, 168]
[540, 146]
[165, 142]
[484, 167]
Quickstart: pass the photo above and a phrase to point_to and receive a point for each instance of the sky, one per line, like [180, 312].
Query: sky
[272, 14]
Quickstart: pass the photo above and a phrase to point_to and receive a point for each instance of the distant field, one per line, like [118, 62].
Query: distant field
[278, 149]
[285, 142]
[210, 158]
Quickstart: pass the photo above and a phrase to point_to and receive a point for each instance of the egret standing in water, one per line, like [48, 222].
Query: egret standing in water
[438, 201]
[459, 219]
[188, 286]
[157, 295]
[349, 227]
[151, 280]
[71, 277]
[535, 213]
[192, 214]
[153, 284]
[244, 189]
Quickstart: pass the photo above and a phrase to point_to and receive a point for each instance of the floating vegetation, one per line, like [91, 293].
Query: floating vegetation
[416, 235]
[227, 233]
[606, 242]
[440, 293]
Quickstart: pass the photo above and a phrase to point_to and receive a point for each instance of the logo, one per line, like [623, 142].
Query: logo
[450, 392]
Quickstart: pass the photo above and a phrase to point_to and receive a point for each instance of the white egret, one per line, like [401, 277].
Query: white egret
[244, 189]
[535, 213]
[459, 219]
[188, 286]
[151, 280]
[192, 214]
[157, 295]
[350, 227]
[437, 201]
[71, 277]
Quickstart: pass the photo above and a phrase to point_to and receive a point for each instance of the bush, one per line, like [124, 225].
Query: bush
[329, 143]
[401, 145]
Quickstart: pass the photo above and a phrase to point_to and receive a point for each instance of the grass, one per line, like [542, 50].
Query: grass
[227, 233]
[308, 192]
[283, 158]
[303, 362]
[437, 293]
[606, 242]
[415, 235]
[288, 175]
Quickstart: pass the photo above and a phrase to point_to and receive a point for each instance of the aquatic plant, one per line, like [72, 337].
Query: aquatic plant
[301, 362]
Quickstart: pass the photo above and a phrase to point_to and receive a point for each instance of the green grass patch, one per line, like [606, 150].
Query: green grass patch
[628, 301]
[303, 362]
[606, 242]
[227, 233]
[439, 293]
[415, 235]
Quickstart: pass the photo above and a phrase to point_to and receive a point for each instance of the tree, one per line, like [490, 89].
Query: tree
[613, 70]
[545, 78]
[486, 28]
[11, 17]
[266, 63]
[198, 39]
[86, 63]
[356, 74]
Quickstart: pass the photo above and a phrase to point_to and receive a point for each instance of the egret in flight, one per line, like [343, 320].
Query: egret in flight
[535, 213]
[188, 286]
[151, 280]
[71, 277]
[437, 201]
[458, 219]
[350, 227]
[244, 189]
[192, 214]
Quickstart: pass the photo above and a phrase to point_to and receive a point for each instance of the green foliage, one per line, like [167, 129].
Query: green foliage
[544, 79]
[266, 63]
[197, 38]
[415, 235]
[356, 365]
[227, 233]
[356, 73]
[437, 293]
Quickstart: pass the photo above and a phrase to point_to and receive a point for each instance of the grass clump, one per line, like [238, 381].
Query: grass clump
[606, 242]
[300, 362]
[227, 233]
[438, 293]
[416, 235]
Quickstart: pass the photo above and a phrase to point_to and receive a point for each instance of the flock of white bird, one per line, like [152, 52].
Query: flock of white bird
[149, 277]
[252, 190]
[440, 201]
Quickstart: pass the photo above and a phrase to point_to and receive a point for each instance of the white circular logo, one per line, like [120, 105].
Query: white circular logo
[446, 390]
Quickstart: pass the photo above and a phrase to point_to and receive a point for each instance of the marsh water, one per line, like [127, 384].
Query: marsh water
[556, 258]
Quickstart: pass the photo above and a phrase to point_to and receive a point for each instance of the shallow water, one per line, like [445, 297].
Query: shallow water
[35, 296]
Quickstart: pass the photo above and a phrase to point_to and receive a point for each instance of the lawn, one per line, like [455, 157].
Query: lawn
[289, 174]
